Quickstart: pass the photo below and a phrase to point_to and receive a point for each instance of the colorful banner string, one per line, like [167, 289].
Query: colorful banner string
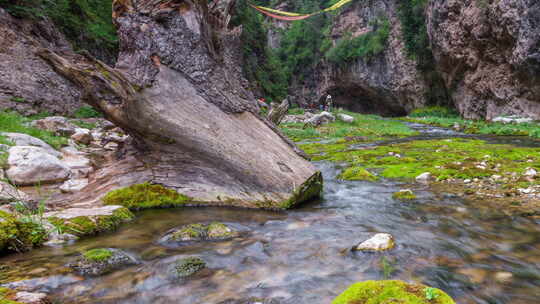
[289, 16]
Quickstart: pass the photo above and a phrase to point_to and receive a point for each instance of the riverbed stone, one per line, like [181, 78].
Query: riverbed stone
[82, 136]
[378, 242]
[74, 185]
[20, 139]
[89, 221]
[392, 292]
[188, 266]
[424, 178]
[32, 165]
[31, 297]
[503, 276]
[405, 194]
[8, 194]
[101, 261]
[200, 232]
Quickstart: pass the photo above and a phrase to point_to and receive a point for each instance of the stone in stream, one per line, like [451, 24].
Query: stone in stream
[378, 242]
[392, 292]
[32, 165]
[101, 261]
[424, 178]
[200, 232]
[188, 266]
[31, 297]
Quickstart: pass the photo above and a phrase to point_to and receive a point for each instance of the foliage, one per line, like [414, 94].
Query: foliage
[364, 46]
[145, 196]
[97, 255]
[86, 23]
[87, 112]
[387, 267]
[379, 292]
[296, 111]
[431, 293]
[434, 111]
[84, 124]
[404, 195]
[15, 123]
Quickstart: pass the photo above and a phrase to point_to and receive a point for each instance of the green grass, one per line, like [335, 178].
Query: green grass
[87, 112]
[296, 111]
[84, 124]
[435, 111]
[369, 127]
[98, 255]
[481, 127]
[15, 123]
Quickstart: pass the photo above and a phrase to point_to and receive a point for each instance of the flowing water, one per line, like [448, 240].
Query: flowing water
[303, 256]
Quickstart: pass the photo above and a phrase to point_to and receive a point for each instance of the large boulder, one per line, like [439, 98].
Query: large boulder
[33, 165]
[101, 261]
[20, 139]
[320, 119]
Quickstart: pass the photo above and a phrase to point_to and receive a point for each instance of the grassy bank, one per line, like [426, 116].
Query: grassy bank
[14, 123]
[364, 128]
[442, 117]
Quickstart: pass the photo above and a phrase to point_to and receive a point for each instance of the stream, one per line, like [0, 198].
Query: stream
[303, 256]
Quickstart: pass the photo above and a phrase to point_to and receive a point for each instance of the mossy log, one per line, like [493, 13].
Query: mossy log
[177, 90]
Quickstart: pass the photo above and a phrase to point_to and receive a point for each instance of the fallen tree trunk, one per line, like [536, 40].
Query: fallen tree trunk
[177, 90]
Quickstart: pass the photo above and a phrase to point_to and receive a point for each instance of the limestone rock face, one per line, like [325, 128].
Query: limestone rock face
[27, 83]
[488, 52]
[33, 165]
[388, 84]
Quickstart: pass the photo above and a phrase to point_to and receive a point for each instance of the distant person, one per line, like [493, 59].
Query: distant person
[328, 103]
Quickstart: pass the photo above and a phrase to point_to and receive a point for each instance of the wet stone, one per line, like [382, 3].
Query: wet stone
[378, 242]
[188, 266]
[214, 231]
[101, 261]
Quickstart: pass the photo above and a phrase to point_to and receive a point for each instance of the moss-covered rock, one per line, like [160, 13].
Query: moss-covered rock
[390, 292]
[89, 221]
[146, 196]
[7, 296]
[98, 255]
[357, 174]
[18, 235]
[310, 189]
[200, 232]
[100, 261]
[188, 266]
[405, 195]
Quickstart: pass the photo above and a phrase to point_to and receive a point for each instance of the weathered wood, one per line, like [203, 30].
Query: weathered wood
[177, 90]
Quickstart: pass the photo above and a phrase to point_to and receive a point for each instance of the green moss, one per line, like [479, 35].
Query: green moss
[192, 231]
[145, 196]
[357, 174]
[386, 292]
[16, 235]
[212, 231]
[309, 189]
[189, 266]
[6, 295]
[98, 255]
[85, 225]
[404, 195]
[219, 230]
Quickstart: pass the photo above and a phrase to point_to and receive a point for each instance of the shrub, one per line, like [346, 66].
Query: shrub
[87, 112]
[435, 111]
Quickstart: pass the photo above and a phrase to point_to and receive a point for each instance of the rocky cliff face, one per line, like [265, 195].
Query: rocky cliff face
[488, 52]
[27, 83]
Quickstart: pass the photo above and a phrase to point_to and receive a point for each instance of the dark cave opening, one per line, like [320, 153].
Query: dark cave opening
[365, 101]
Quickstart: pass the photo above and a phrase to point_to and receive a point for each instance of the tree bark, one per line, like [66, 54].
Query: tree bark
[178, 91]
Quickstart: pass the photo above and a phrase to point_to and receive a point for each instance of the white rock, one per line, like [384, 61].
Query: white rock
[378, 242]
[424, 178]
[503, 277]
[467, 181]
[531, 172]
[32, 165]
[111, 146]
[345, 118]
[320, 119]
[512, 119]
[74, 185]
[82, 136]
[31, 297]
[72, 213]
[55, 238]
[26, 140]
